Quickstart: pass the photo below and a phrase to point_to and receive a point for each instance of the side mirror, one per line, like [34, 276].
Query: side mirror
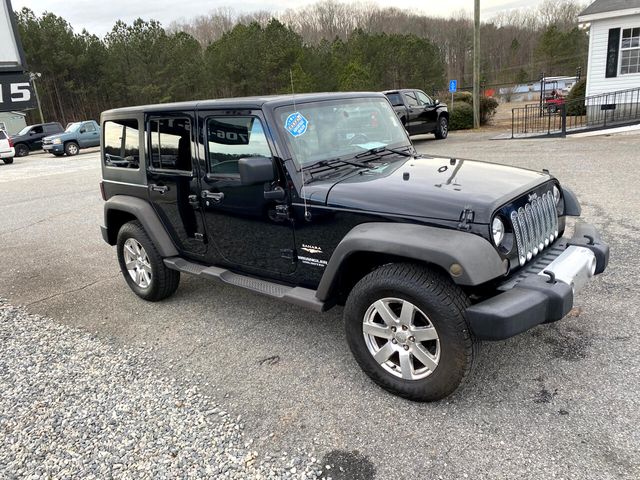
[31, 132]
[255, 170]
[436, 103]
[82, 130]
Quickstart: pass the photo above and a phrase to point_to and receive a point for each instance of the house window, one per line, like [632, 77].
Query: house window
[630, 51]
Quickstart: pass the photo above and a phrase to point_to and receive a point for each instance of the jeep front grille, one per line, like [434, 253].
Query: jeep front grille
[535, 226]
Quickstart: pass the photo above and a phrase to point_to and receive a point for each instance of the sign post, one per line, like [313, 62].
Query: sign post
[453, 88]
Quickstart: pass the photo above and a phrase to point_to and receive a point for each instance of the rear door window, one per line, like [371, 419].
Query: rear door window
[170, 147]
[2, 135]
[121, 144]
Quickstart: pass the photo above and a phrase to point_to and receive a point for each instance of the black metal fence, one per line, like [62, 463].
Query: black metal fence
[555, 117]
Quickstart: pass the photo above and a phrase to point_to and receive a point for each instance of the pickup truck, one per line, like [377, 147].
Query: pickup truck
[419, 113]
[77, 135]
[30, 137]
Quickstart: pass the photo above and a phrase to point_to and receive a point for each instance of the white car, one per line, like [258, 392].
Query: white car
[7, 152]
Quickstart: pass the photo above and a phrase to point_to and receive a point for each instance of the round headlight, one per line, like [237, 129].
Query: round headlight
[556, 194]
[497, 231]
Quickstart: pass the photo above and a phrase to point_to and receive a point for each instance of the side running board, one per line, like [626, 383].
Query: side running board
[302, 297]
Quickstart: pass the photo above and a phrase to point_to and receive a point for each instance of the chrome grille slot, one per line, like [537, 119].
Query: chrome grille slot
[535, 226]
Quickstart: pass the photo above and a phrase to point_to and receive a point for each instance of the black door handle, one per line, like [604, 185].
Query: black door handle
[162, 189]
[215, 196]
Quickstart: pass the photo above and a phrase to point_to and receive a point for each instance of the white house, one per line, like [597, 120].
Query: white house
[614, 45]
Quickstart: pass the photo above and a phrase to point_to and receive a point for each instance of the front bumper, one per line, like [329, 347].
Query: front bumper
[543, 291]
[57, 148]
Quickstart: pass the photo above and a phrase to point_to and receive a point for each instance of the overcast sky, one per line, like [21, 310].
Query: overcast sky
[98, 16]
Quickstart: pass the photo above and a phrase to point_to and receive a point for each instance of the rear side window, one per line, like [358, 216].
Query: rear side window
[89, 127]
[395, 99]
[121, 144]
[2, 135]
[231, 138]
[170, 144]
[51, 128]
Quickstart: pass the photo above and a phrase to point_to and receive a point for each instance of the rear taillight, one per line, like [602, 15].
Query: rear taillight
[10, 142]
[104, 197]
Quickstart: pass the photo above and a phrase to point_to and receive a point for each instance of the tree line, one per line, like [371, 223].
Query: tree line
[327, 46]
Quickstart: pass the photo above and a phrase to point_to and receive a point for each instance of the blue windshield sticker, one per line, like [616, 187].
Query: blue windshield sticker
[296, 124]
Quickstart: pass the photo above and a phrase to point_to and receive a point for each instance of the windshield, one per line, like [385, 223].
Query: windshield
[72, 127]
[24, 131]
[339, 128]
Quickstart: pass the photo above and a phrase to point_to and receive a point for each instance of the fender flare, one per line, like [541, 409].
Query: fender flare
[443, 247]
[571, 204]
[146, 215]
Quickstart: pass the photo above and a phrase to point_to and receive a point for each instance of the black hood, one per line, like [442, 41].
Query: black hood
[438, 188]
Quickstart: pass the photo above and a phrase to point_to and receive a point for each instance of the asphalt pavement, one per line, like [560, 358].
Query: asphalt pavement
[560, 401]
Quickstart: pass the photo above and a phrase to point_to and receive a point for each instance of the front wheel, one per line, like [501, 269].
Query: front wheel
[142, 266]
[406, 328]
[71, 148]
[442, 130]
[7, 161]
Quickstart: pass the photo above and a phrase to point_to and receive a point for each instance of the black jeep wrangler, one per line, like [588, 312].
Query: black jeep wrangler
[321, 200]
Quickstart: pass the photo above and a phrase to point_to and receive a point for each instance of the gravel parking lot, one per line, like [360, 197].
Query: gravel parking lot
[560, 401]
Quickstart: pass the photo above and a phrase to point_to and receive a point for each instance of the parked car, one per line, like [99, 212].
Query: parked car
[7, 152]
[77, 135]
[30, 137]
[419, 113]
[322, 200]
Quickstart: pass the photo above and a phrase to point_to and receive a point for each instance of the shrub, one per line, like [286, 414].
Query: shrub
[488, 106]
[463, 97]
[575, 99]
[461, 116]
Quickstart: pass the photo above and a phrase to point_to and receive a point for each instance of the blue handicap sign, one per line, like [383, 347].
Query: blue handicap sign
[453, 85]
[296, 124]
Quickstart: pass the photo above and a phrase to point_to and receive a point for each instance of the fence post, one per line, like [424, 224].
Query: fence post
[512, 121]
[564, 119]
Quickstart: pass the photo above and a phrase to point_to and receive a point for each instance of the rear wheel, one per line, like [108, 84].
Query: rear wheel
[442, 130]
[7, 160]
[406, 328]
[21, 150]
[142, 266]
[71, 148]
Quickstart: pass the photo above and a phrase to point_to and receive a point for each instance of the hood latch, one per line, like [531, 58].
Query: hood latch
[466, 219]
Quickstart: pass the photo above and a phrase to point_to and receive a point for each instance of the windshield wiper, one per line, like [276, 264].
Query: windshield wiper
[335, 163]
[378, 150]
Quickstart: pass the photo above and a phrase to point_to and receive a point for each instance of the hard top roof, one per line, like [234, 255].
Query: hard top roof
[242, 103]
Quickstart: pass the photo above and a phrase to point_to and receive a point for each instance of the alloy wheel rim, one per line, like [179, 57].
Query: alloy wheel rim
[137, 262]
[443, 126]
[73, 149]
[401, 338]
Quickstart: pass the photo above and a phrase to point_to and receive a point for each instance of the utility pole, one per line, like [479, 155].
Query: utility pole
[33, 77]
[476, 64]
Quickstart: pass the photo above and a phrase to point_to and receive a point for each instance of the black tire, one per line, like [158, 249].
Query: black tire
[21, 150]
[164, 281]
[71, 148]
[444, 304]
[442, 129]
[7, 161]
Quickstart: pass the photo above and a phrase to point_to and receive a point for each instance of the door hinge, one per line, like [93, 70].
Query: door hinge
[282, 212]
[288, 254]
